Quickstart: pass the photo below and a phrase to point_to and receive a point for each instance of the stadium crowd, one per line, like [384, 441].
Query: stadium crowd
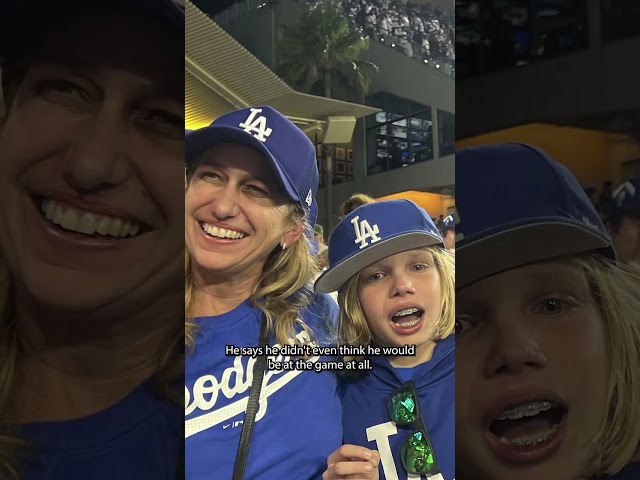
[421, 31]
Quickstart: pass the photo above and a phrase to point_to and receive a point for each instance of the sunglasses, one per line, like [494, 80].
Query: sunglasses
[418, 457]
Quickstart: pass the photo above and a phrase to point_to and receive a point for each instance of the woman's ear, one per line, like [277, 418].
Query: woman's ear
[293, 234]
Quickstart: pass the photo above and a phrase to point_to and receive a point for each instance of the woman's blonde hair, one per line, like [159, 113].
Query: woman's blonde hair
[281, 292]
[614, 288]
[353, 329]
[170, 367]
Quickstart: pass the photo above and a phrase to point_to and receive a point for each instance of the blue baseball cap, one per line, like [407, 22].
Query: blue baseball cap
[22, 19]
[448, 223]
[313, 217]
[516, 206]
[373, 232]
[626, 198]
[291, 153]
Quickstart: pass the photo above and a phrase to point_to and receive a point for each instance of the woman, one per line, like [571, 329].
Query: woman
[547, 336]
[396, 285]
[252, 178]
[91, 142]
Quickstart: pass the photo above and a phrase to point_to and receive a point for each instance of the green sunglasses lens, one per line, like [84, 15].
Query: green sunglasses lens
[403, 407]
[417, 455]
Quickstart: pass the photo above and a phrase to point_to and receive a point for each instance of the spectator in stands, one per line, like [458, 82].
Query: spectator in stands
[416, 29]
[448, 231]
[623, 221]
[319, 234]
[356, 200]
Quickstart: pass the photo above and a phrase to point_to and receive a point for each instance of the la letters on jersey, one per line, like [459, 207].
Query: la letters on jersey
[234, 382]
[380, 434]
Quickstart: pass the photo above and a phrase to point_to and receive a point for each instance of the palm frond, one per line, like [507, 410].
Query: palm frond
[324, 41]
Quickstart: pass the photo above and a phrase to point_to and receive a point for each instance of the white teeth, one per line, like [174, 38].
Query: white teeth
[221, 232]
[89, 223]
[58, 213]
[530, 409]
[104, 223]
[49, 209]
[70, 219]
[410, 324]
[115, 228]
[529, 440]
[406, 311]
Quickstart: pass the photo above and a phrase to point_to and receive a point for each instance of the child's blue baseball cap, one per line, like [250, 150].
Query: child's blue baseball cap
[288, 149]
[516, 206]
[373, 232]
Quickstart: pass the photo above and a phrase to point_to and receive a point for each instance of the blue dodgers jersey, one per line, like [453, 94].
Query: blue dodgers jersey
[298, 424]
[139, 438]
[366, 420]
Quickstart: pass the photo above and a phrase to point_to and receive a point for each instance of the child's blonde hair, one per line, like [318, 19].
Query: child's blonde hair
[615, 290]
[353, 328]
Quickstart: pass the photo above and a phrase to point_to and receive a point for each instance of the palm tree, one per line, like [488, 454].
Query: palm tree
[323, 50]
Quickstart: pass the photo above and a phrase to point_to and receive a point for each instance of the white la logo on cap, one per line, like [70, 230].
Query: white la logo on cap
[364, 231]
[257, 125]
[309, 199]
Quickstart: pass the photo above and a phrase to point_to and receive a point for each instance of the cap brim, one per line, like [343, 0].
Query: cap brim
[525, 244]
[201, 140]
[336, 277]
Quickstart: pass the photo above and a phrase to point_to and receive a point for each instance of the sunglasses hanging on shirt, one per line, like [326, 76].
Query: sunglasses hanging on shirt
[417, 455]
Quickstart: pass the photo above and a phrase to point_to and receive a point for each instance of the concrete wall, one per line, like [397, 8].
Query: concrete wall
[597, 81]
[407, 78]
[255, 32]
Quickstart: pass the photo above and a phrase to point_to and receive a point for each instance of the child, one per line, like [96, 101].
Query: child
[547, 334]
[396, 288]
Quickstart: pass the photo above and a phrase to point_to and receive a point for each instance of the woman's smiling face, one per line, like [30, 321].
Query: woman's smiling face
[92, 149]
